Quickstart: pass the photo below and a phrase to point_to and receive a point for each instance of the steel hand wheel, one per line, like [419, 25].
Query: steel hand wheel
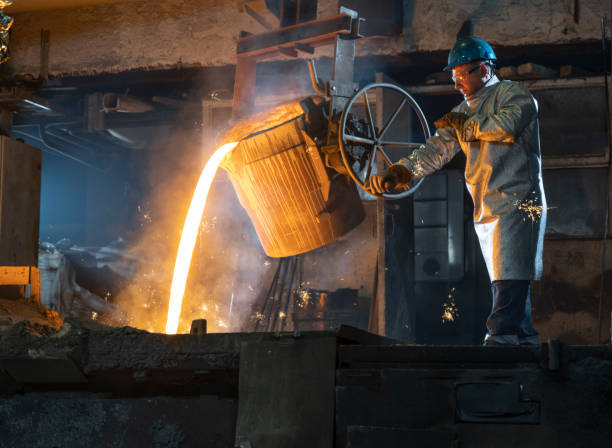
[361, 141]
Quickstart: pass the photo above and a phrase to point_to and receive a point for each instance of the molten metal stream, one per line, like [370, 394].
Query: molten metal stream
[189, 236]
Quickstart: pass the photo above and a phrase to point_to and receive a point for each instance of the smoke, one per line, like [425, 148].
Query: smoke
[229, 269]
[227, 261]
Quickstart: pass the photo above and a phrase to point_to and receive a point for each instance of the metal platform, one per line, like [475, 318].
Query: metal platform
[93, 386]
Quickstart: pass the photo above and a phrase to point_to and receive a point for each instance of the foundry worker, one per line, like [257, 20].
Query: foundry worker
[496, 126]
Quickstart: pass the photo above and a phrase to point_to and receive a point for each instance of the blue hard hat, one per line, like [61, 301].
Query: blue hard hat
[468, 50]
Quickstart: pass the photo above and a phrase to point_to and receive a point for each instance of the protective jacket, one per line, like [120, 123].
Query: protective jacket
[503, 174]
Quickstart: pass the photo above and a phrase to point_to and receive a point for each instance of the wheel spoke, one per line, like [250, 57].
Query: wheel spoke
[354, 138]
[384, 155]
[395, 112]
[402, 144]
[369, 165]
[359, 146]
[366, 102]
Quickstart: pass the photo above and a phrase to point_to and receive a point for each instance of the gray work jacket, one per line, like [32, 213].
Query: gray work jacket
[503, 173]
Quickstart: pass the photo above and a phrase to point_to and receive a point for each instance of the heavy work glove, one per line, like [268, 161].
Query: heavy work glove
[386, 181]
[455, 120]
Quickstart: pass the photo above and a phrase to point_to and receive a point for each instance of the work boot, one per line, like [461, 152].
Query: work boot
[533, 339]
[500, 340]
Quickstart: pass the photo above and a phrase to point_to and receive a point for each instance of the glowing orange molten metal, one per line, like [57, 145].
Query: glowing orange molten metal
[189, 236]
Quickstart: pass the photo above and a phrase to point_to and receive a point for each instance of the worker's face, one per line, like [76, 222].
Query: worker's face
[470, 78]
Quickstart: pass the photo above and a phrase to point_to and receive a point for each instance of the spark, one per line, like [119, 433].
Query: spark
[449, 309]
[189, 235]
[231, 304]
[146, 215]
[207, 225]
[304, 297]
[531, 209]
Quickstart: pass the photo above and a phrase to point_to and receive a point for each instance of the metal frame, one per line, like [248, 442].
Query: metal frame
[342, 29]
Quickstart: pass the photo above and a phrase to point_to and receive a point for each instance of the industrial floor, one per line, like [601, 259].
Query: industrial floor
[88, 385]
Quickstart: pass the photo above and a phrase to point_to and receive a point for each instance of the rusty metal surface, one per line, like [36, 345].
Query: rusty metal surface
[286, 396]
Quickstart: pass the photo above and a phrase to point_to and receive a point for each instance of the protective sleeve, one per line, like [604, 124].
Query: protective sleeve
[437, 151]
[515, 109]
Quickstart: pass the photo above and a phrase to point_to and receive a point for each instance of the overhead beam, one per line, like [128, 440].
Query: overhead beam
[313, 34]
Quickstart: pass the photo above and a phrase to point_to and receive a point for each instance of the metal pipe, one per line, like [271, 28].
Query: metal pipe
[317, 85]
[288, 298]
[276, 304]
[48, 148]
[271, 290]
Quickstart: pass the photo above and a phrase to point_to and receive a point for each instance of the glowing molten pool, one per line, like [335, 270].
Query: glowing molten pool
[189, 236]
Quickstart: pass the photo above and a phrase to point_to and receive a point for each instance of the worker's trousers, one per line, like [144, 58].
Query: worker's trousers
[510, 318]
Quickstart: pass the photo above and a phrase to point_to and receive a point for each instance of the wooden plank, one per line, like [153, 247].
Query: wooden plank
[20, 168]
[566, 71]
[14, 275]
[531, 84]
[508, 72]
[35, 284]
[531, 70]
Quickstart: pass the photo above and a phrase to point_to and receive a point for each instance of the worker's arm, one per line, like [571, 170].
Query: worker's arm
[437, 151]
[515, 110]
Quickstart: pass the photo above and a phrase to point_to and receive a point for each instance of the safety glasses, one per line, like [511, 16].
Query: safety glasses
[463, 77]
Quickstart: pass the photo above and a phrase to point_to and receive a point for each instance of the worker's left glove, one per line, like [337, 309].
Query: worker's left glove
[396, 176]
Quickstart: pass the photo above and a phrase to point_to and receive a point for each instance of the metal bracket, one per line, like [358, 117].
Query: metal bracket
[342, 89]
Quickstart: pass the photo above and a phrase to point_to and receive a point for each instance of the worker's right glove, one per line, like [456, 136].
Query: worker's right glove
[396, 176]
